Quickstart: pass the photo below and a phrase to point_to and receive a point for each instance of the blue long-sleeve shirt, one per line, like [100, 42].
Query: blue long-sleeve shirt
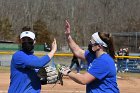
[23, 77]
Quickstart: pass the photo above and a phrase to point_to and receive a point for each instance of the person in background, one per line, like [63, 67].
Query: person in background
[100, 76]
[126, 60]
[23, 75]
[126, 52]
[119, 60]
[75, 61]
[120, 52]
[83, 65]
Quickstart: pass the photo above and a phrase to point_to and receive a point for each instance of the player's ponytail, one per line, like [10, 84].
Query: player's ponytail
[107, 38]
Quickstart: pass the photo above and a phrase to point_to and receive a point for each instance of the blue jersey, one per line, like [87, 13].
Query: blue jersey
[103, 69]
[23, 78]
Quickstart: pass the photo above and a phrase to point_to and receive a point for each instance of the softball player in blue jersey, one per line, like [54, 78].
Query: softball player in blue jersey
[101, 73]
[23, 76]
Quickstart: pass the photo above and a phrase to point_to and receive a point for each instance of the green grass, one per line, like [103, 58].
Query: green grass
[4, 69]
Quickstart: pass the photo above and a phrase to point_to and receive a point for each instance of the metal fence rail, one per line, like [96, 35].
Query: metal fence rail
[124, 63]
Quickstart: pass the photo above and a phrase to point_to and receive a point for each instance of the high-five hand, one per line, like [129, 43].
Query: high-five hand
[54, 45]
[53, 49]
[67, 28]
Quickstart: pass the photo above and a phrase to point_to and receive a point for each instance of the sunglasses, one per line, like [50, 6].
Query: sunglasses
[93, 44]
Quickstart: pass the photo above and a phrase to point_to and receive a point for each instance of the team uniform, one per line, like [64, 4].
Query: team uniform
[23, 76]
[103, 69]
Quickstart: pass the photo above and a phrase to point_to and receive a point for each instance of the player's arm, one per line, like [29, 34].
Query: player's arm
[77, 51]
[23, 60]
[79, 78]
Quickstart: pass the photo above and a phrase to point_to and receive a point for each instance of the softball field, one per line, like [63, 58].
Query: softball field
[128, 83]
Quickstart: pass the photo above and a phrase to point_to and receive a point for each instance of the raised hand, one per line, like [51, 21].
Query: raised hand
[67, 27]
[54, 45]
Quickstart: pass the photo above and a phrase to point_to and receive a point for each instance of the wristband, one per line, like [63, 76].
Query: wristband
[68, 72]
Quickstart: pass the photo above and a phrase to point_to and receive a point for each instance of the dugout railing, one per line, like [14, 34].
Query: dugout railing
[124, 63]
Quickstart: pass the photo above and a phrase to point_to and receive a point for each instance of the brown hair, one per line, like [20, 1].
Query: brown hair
[107, 38]
[25, 28]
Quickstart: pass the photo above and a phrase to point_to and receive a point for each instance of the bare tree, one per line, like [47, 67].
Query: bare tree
[85, 16]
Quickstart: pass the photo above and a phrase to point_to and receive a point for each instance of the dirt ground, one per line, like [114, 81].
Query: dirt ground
[129, 85]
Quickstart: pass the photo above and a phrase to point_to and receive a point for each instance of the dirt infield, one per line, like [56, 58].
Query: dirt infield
[126, 85]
